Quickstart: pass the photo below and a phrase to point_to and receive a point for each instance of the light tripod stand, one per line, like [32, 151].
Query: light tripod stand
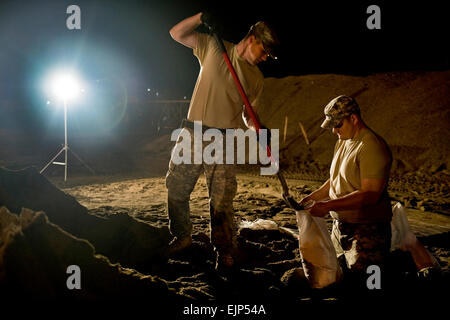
[65, 149]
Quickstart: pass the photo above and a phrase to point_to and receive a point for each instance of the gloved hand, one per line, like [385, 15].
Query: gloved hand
[306, 202]
[211, 21]
[290, 201]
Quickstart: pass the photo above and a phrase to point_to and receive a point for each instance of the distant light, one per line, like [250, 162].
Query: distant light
[184, 97]
[48, 102]
[157, 94]
[148, 90]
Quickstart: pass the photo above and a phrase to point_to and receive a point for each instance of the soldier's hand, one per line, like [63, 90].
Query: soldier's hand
[306, 202]
[290, 201]
[210, 21]
[319, 209]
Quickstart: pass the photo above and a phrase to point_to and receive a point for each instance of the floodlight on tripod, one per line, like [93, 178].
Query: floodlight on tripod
[64, 87]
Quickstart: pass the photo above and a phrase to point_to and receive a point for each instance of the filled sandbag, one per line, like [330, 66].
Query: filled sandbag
[317, 252]
[404, 239]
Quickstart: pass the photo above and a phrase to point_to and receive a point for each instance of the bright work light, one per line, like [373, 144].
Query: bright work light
[64, 86]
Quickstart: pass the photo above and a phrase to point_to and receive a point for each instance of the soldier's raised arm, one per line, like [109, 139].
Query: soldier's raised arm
[183, 32]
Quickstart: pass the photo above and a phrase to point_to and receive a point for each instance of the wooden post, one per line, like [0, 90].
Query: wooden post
[304, 133]
[285, 128]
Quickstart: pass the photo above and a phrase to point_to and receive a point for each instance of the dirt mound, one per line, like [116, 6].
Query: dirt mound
[410, 110]
[119, 237]
[34, 259]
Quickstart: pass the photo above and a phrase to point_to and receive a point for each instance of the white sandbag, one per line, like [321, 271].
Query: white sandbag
[259, 224]
[317, 252]
[263, 224]
[402, 236]
[404, 239]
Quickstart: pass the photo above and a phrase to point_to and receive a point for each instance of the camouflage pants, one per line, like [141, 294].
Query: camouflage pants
[222, 186]
[361, 245]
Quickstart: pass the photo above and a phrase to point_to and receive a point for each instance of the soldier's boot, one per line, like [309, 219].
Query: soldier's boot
[179, 244]
[225, 264]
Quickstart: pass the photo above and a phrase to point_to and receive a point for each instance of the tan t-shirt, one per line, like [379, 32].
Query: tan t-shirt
[216, 100]
[366, 156]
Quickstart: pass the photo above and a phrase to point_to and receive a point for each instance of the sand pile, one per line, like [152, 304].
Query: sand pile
[411, 110]
[119, 237]
[35, 255]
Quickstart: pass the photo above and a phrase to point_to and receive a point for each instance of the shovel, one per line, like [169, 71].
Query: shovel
[286, 196]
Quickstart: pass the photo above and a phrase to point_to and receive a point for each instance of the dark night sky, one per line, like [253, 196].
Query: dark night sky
[127, 42]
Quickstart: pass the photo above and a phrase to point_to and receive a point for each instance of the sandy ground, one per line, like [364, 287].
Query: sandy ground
[257, 197]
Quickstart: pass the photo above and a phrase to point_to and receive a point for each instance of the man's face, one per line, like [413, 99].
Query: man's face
[345, 129]
[256, 52]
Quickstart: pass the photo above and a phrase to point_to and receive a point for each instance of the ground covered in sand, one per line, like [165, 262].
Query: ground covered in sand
[271, 257]
[257, 198]
[125, 227]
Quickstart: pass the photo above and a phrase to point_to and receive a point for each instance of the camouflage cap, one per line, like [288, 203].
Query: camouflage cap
[264, 33]
[337, 109]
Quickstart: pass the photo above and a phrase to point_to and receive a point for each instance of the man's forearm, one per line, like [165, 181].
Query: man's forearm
[322, 193]
[355, 200]
[183, 30]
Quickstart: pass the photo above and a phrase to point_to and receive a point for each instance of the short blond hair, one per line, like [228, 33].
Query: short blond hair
[266, 35]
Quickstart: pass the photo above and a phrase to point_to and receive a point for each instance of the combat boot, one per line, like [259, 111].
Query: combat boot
[225, 264]
[178, 244]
